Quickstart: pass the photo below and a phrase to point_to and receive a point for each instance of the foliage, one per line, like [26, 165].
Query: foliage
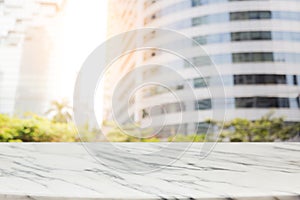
[187, 138]
[265, 129]
[35, 129]
[88, 134]
[117, 135]
[131, 133]
[61, 111]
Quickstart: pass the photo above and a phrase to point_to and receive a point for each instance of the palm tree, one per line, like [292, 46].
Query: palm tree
[60, 111]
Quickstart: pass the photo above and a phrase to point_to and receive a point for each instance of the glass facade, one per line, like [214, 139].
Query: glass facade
[202, 127]
[164, 109]
[260, 79]
[252, 79]
[234, 16]
[249, 102]
[247, 36]
[230, 103]
[204, 104]
[252, 15]
[262, 102]
[246, 58]
[200, 82]
[185, 4]
[231, 80]
[237, 19]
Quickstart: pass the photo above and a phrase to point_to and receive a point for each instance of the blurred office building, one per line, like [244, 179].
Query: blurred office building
[28, 68]
[254, 44]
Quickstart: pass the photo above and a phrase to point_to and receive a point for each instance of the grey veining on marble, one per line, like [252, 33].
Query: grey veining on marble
[231, 171]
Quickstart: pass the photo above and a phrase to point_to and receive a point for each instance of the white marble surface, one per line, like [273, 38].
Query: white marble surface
[231, 171]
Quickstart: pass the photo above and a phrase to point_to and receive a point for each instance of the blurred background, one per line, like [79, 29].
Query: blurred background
[254, 44]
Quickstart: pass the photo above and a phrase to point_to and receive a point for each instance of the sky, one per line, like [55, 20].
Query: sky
[85, 25]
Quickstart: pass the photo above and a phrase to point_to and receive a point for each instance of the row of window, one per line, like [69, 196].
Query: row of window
[234, 37]
[252, 102]
[234, 16]
[196, 3]
[250, 79]
[234, 58]
[266, 79]
[167, 108]
[239, 102]
[247, 36]
[184, 5]
[244, 58]
[229, 80]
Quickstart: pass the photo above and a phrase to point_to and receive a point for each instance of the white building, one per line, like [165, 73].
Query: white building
[25, 46]
[255, 45]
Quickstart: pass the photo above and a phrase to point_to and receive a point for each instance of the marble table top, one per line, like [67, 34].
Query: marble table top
[74, 171]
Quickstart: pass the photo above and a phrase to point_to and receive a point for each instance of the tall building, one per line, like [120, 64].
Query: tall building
[26, 45]
[254, 44]
[11, 37]
[123, 15]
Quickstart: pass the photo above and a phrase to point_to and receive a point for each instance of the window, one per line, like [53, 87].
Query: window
[245, 102]
[252, 57]
[196, 3]
[246, 36]
[180, 87]
[201, 61]
[250, 15]
[294, 102]
[174, 107]
[295, 81]
[216, 18]
[259, 79]
[210, 39]
[262, 102]
[235, 16]
[165, 109]
[227, 80]
[255, 35]
[244, 58]
[199, 83]
[204, 104]
[202, 127]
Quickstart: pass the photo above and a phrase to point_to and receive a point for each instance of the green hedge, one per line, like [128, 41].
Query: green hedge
[35, 129]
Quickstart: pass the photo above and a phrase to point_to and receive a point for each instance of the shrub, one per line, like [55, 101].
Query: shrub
[35, 129]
